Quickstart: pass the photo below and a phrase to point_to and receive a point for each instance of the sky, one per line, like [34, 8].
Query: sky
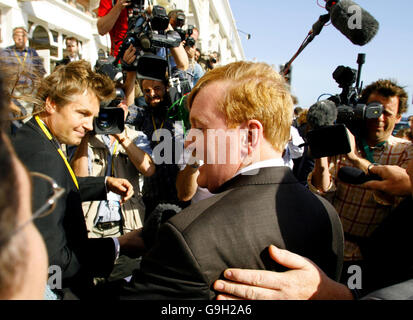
[278, 27]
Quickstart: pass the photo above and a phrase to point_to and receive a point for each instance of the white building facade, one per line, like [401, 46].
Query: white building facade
[50, 21]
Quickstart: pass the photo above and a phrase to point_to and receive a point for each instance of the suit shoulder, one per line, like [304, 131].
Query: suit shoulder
[191, 214]
[35, 151]
[29, 141]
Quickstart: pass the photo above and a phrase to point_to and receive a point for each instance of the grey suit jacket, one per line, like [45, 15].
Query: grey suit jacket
[234, 229]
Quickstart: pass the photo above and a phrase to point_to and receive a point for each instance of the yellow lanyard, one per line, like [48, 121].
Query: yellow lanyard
[113, 157]
[49, 136]
[18, 58]
[154, 127]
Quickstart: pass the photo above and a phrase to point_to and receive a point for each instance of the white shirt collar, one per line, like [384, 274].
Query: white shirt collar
[276, 162]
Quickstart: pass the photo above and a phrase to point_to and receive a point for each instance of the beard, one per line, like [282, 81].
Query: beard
[160, 110]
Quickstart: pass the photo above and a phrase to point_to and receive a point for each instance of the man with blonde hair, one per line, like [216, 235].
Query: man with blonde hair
[247, 108]
[68, 101]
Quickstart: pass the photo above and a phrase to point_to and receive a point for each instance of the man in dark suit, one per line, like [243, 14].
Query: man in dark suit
[248, 109]
[72, 48]
[70, 99]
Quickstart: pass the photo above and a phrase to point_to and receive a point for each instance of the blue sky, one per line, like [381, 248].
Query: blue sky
[278, 27]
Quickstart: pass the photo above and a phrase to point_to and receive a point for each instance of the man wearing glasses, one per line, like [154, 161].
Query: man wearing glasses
[68, 101]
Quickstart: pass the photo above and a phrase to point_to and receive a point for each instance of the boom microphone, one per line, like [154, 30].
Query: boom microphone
[359, 29]
[323, 113]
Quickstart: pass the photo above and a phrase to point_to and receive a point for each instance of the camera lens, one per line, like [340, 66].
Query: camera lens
[103, 121]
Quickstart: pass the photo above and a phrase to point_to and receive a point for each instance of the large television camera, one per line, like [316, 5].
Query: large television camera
[155, 67]
[329, 135]
[146, 32]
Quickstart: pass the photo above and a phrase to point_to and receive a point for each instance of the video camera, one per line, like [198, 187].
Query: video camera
[111, 118]
[155, 67]
[186, 35]
[349, 111]
[147, 32]
[329, 139]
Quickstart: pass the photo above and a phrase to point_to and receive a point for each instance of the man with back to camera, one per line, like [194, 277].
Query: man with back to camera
[361, 210]
[258, 199]
[68, 102]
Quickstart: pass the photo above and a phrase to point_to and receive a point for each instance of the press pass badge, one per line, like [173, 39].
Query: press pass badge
[111, 196]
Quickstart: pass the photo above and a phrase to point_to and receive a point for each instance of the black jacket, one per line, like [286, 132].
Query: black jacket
[64, 230]
[233, 229]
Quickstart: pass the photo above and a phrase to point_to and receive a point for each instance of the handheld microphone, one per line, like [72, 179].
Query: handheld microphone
[354, 22]
[323, 113]
[355, 176]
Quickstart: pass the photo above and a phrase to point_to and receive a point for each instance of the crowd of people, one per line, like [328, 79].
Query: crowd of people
[214, 196]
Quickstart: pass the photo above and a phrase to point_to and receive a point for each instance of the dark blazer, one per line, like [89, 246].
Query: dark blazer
[64, 230]
[234, 229]
[64, 61]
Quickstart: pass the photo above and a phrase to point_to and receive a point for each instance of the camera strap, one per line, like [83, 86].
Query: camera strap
[18, 58]
[114, 155]
[154, 127]
[59, 150]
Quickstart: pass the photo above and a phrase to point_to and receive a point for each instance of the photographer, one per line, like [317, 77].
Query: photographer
[150, 31]
[116, 155]
[113, 18]
[362, 210]
[195, 71]
[212, 60]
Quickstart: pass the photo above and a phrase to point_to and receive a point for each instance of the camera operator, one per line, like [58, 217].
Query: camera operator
[305, 280]
[113, 18]
[176, 56]
[150, 115]
[362, 210]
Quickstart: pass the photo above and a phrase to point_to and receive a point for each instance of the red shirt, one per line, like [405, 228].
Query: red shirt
[118, 32]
